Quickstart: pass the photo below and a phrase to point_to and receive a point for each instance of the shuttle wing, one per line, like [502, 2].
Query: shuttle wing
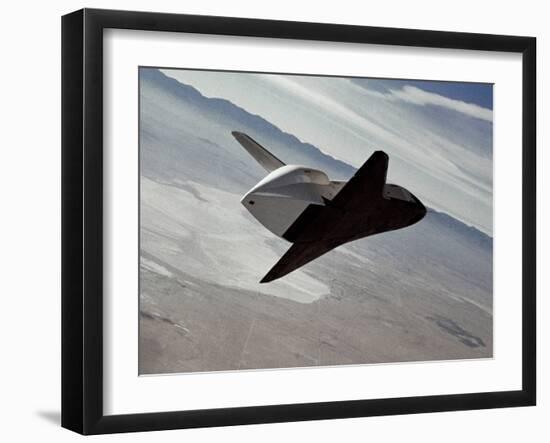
[316, 232]
[297, 256]
[265, 158]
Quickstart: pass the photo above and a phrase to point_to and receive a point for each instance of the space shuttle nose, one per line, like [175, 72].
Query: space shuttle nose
[420, 210]
[420, 206]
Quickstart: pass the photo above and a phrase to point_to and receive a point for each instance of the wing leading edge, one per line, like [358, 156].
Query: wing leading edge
[297, 256]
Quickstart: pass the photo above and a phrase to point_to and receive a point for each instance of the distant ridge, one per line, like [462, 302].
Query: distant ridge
[242, 117]
[460, 227]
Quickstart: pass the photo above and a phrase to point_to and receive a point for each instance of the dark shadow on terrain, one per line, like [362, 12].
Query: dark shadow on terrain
[453, 328]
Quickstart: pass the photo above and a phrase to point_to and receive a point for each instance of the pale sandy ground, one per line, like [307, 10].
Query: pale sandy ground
[201, 308]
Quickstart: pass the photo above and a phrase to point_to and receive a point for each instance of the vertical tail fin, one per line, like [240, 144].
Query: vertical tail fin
[265, 158]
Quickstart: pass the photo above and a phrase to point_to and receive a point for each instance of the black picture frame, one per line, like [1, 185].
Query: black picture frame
[82, 220]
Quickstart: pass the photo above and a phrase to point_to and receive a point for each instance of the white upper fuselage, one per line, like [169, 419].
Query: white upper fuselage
[279, 199]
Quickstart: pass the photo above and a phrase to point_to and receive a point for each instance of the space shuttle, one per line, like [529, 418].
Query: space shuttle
[316, 214]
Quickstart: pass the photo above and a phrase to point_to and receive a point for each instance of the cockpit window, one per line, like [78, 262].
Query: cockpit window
[393, 191]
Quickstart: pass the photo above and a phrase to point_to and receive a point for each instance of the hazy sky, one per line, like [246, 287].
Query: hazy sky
[438, 134]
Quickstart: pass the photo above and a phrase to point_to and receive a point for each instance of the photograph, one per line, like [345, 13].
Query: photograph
[295, 221]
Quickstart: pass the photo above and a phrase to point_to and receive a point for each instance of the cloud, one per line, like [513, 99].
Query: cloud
[407, 139]
[445, 158]
[420, 97]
